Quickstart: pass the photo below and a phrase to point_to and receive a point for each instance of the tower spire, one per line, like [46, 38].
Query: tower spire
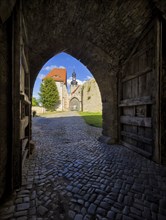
[74, 82]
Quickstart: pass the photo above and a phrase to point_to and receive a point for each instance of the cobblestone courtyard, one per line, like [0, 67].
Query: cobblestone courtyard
[72, 176]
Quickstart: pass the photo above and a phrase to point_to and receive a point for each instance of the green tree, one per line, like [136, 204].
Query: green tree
[49, 95]
[34, 102]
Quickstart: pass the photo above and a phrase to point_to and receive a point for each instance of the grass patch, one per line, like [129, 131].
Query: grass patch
[92, 118]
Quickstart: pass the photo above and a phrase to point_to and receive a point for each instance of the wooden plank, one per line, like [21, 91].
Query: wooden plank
[15, 78]
[128, 110]
[129, 140]
[23, 124]
[143, 90]
[24, 157]
[157, 91]
[134, 87]
[141, 111]
[24, 60]
[139, 53]
[137, 137]
[149, 82]
[24, 29]
[138, 121]
[25, 98]
[119, 112]
[136, 149]
[145, 100]
[129, 77]
[24, 143]
[127, 90]
[22, 79]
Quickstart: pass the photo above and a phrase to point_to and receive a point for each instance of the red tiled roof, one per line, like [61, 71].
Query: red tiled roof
[58, 74]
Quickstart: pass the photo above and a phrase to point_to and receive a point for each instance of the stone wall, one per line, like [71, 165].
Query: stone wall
[59, 87]
[109, 30]
[91, 98]
[38, 109]
[63, 97]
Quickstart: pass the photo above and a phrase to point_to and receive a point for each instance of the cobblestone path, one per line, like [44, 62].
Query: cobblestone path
[72, 176]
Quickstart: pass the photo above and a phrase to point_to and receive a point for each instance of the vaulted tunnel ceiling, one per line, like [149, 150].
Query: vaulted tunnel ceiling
[99, 33]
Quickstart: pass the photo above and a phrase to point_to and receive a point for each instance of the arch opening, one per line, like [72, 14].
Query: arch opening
[103, 44]
[76, 85]
[74, 104]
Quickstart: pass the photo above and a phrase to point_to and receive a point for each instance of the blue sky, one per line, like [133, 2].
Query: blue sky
[63, 60]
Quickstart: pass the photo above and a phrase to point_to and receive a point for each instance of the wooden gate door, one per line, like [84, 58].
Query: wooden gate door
[25, 103]
[139, 94]
[163, 94]
[20, 97]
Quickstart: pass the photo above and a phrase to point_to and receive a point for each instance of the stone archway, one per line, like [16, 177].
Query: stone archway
[100, 34]
[100, 46]
[74, 104]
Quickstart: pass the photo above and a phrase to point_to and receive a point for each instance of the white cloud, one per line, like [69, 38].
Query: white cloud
[36, 95]
[80, 82]
[88, 77]
[48, 68]
[40, 76]
[69, 80]
[62, 67]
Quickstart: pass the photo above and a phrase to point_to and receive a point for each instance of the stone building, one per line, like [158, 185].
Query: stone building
[123, 44]
[59, 75]
[84, 97]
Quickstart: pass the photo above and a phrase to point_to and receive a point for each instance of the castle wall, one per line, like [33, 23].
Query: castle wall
[91, 98]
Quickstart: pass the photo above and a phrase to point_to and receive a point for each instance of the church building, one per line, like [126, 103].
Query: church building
[84, 97]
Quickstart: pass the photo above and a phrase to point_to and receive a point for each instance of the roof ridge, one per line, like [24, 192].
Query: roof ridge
[75, 89]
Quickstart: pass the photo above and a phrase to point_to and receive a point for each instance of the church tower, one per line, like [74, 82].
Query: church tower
[74, 83]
